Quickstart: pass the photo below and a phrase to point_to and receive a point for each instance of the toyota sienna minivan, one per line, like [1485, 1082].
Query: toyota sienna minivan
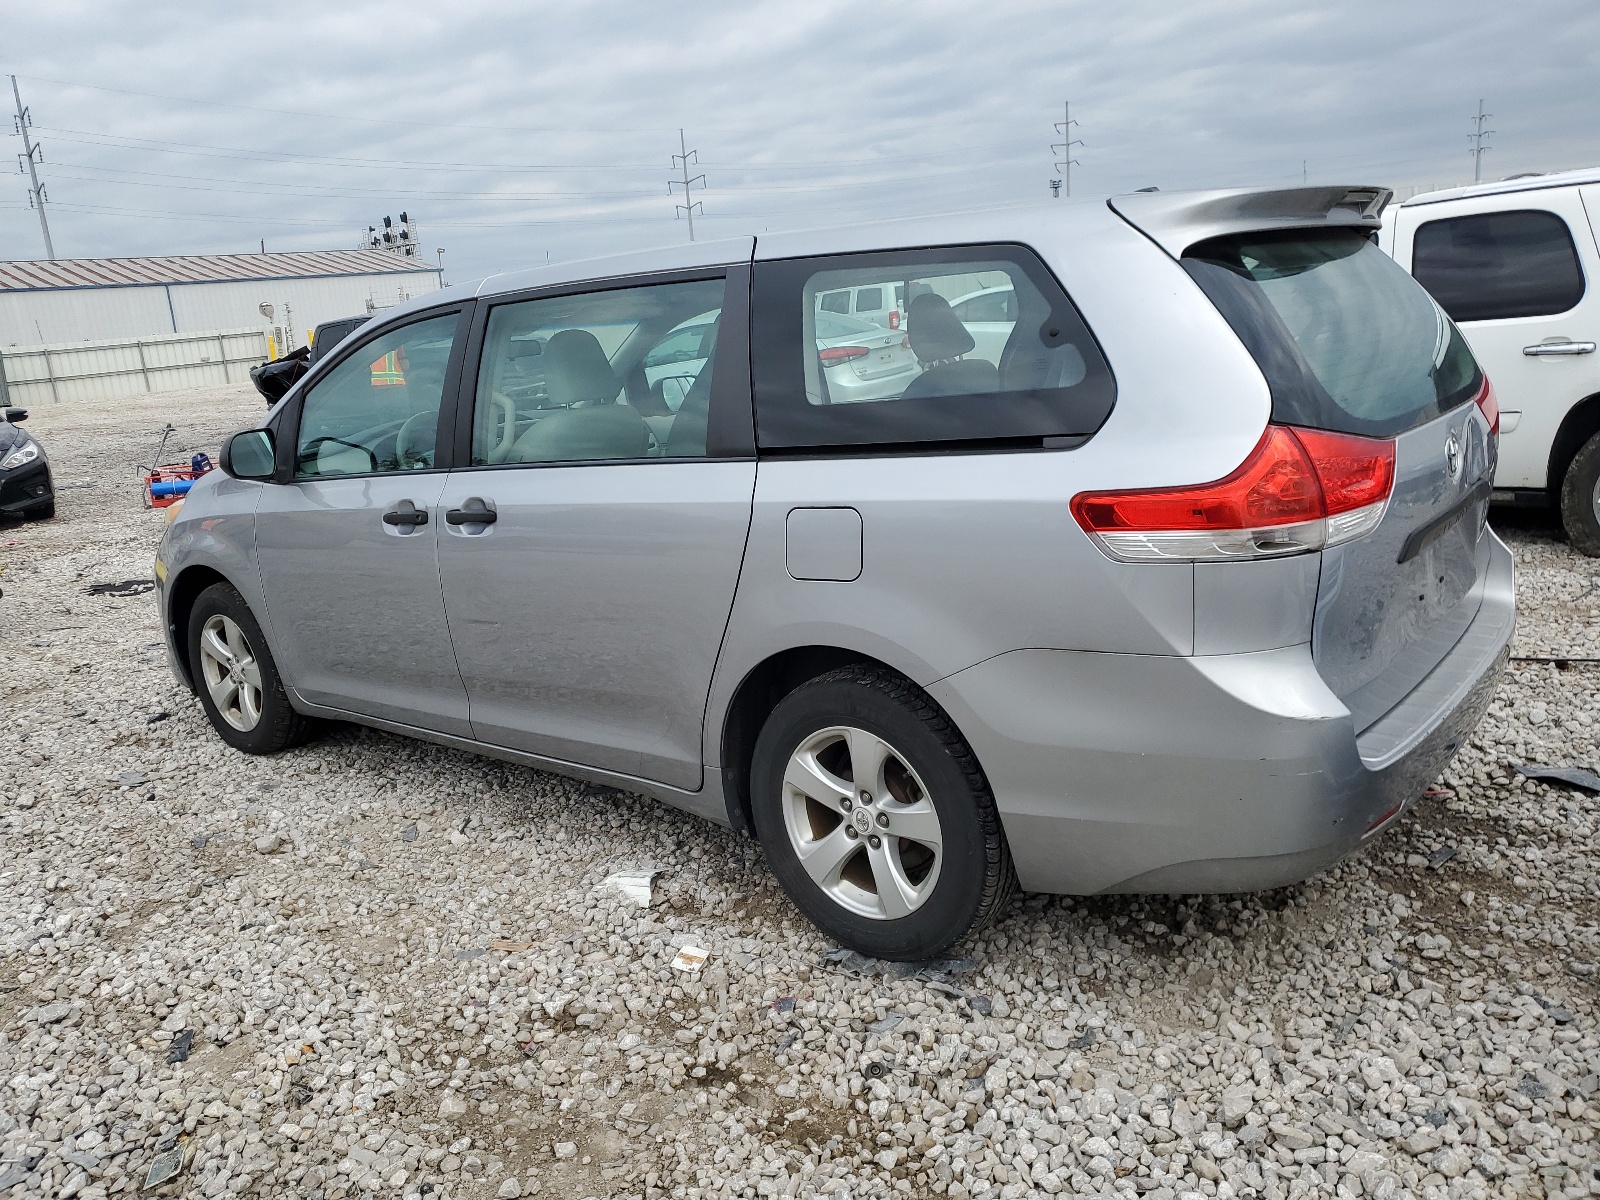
[1190, 590]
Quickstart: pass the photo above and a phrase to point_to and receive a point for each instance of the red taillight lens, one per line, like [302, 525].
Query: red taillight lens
[834, 355]
[1490, 406]
[1299, 490]
[894, 319]
[905, 342]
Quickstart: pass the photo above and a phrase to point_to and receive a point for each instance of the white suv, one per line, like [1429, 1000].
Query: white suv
[1511, 262]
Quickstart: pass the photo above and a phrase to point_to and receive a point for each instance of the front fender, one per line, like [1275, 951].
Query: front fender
[214, 536]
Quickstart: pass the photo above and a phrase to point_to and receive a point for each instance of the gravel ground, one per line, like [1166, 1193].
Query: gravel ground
[391, 970]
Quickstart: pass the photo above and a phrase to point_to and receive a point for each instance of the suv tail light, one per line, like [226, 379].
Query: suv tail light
[894, 319]
[1299, 490]
[834, 355]
[1489, 405]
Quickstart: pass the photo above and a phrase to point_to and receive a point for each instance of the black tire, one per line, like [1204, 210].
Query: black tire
[1580, 501]
[279, 726]
[976, 879]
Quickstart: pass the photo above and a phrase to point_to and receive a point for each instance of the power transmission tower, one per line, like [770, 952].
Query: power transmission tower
[1476, 138]
[33, 153]
[687, 207]
[1066, 162]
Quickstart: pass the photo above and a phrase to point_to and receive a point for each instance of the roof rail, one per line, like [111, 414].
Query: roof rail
[1177, 220]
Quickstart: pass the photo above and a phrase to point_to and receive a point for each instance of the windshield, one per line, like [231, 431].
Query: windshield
[1347, 340]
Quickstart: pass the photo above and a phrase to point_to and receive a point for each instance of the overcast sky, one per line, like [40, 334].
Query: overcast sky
[513, 131]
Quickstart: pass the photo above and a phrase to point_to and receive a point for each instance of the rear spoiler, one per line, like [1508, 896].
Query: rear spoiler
[1177, 220]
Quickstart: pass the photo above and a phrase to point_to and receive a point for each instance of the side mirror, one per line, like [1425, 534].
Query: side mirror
[16, 416]
[249, 454]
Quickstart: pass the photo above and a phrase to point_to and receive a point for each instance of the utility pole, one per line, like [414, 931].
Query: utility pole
[1476, 138]
[682, 160]
[34, 154]
[1305, 175]
[1066, 162]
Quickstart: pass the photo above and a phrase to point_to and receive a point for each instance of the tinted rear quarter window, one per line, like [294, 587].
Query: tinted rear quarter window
[1491, 266]
[1346, 339]
[934, 380]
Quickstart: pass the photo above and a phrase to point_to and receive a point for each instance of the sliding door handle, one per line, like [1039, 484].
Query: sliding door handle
[472, 512]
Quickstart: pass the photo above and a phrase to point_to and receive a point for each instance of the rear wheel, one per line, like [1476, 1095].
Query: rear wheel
[876, 818]
[238, 682]
[1580, 499]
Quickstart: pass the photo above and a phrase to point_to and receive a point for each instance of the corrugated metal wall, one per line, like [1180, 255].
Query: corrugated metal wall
[34, 317]
[43, 375]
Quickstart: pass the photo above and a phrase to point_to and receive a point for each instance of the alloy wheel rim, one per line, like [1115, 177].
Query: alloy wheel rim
[232, 675]
[1594, 501]
[862, 823]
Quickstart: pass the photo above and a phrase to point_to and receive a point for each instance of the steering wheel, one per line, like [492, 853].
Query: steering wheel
[502, 429]
[413, 444]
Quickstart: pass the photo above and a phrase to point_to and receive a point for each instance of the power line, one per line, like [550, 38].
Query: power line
[1476, 138]
[688, 206]
[1066, 162]
[34, 154]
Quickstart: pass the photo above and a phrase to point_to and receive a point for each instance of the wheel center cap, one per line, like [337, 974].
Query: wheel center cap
[861, 819]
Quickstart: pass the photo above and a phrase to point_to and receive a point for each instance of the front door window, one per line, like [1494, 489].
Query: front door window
[378, 410]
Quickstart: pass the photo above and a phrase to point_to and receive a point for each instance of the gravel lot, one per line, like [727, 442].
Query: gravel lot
[403, 976]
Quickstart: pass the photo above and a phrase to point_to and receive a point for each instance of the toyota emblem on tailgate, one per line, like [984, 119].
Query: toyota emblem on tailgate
[1452, 455]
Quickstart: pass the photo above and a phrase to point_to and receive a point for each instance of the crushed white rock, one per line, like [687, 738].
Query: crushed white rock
[405, 978]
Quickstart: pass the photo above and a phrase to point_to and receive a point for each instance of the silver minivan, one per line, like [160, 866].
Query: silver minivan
[1191, 590]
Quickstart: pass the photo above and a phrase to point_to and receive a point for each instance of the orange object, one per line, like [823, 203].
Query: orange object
[390, 370]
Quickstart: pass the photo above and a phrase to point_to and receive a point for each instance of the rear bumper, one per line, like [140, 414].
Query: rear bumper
[1211, 773]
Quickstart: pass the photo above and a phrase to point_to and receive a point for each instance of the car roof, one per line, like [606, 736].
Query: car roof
[1521, 183]
[1171, 219]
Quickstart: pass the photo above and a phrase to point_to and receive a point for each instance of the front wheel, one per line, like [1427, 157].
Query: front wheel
[1580, 499]
[238, 682]
[876, 817]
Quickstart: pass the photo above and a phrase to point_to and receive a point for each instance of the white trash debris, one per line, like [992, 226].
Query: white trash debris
[631, 885]
[690, 958]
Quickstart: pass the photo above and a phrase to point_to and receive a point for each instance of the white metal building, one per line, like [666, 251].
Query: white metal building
[66, 300]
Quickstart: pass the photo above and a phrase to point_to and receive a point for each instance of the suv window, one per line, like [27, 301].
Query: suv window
[378, 410]
[1495, 265]
[835, 302]
[608, 375]
[1347, 340]
[823, 383]
[869, 299]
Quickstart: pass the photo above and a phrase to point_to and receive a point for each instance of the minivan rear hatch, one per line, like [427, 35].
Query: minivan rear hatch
[1350, 343]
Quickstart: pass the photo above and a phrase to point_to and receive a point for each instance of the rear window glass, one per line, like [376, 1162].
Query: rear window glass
[1022, 369]
[1495, 265]
[1347, 340]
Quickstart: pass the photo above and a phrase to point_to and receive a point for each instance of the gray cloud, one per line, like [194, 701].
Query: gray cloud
[512, 131]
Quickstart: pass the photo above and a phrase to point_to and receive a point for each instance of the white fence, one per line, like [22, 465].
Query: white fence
[62, 373]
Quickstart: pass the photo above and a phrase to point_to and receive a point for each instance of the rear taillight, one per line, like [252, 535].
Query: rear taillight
[1299, 490]
[894, 319]
[1489, 406]
[905, 342]
[834, 355]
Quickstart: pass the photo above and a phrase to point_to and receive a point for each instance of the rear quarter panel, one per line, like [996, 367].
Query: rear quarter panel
[969, 555]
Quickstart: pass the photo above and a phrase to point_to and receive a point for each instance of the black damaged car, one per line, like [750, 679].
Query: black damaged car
[25, 487]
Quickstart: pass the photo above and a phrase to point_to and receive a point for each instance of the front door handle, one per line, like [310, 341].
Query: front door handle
[1549, 349]
[472, 512]
[406, 515]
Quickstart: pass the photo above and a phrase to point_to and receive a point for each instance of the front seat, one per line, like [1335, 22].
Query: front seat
[939, 339]
[589, 422]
